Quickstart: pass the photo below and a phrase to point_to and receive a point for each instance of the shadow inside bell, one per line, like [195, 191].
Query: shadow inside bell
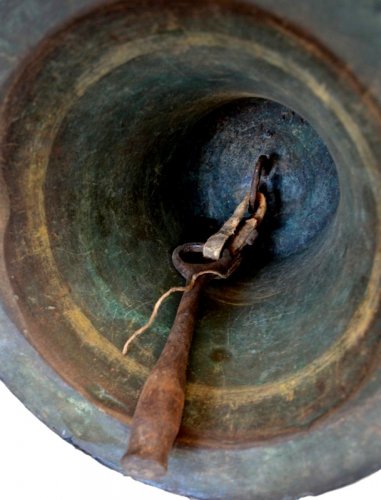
[208, 166]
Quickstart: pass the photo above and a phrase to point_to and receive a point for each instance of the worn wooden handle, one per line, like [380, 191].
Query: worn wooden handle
[157, 416]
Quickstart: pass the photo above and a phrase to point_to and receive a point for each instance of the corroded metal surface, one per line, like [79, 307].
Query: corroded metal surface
[109, 94]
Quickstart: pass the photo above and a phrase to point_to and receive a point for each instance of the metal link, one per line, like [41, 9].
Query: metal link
[214, 246]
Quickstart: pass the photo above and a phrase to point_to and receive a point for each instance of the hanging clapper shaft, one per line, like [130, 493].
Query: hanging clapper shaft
[158, 413]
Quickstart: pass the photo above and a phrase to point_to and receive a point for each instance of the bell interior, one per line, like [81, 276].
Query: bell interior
[125, 153]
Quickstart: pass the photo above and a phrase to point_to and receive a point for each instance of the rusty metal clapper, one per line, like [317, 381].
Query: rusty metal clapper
[158, 413]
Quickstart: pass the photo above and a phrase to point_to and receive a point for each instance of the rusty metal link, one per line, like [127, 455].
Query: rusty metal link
[237, 230]
[262, 161]
[223, 267]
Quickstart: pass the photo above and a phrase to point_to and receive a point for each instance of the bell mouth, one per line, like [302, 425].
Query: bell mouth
[130, 146]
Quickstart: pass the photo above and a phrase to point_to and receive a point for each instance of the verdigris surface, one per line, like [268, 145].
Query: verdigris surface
[127, 123]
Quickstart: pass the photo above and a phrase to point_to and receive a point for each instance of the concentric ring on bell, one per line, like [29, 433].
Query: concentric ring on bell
[74, 242]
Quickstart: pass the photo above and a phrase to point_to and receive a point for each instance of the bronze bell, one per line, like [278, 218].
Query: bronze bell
[128, 128]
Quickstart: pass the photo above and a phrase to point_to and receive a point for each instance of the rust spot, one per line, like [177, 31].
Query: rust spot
[220, 354]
